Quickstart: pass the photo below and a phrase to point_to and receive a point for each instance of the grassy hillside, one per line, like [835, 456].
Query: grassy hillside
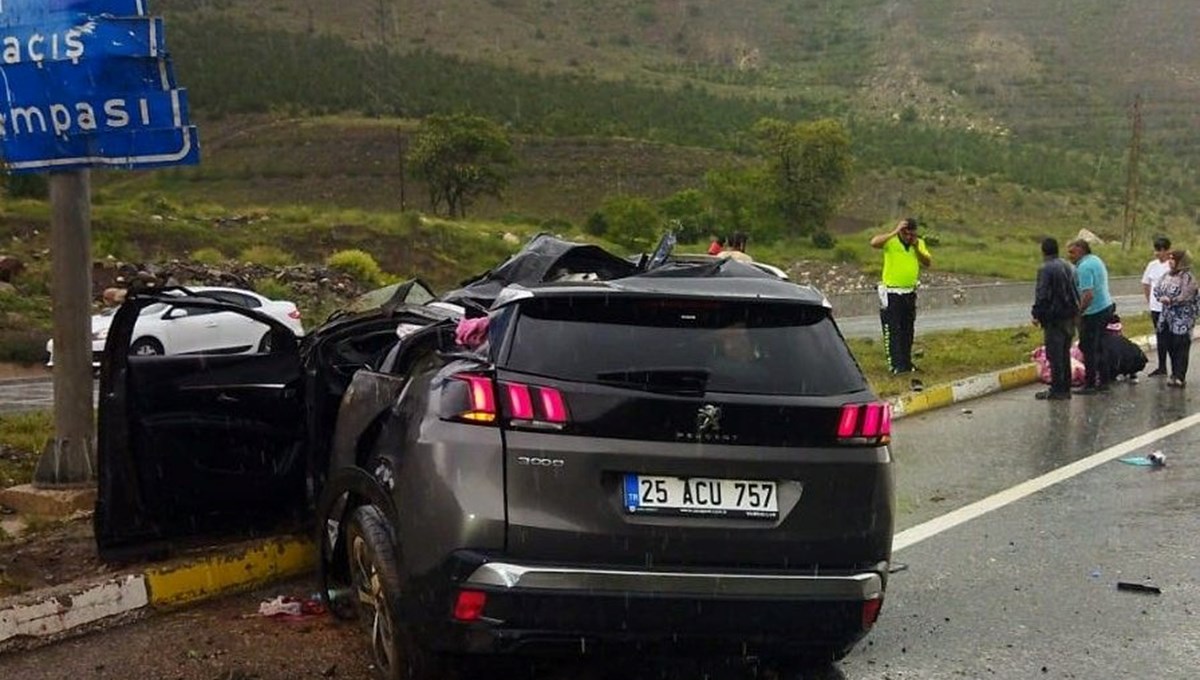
[1056, 71]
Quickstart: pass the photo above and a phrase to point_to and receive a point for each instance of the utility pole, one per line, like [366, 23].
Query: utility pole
[1131, 176]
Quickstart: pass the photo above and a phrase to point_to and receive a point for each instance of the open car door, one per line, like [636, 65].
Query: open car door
[196, 443]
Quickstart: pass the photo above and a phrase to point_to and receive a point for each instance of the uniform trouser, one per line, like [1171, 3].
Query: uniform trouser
[1091, 327]
[1057, 335]
[1161, 340]
[898, 321]
[1179, 346]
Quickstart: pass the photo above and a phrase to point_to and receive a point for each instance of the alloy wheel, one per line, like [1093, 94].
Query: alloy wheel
[373, 605]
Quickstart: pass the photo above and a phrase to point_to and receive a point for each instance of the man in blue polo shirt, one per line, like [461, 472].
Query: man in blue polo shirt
[1095, 308]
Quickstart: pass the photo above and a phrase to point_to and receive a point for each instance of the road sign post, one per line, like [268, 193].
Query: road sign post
[69, 459]
[88, 84]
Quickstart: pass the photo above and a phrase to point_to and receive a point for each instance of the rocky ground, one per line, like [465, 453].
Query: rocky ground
[833, 278]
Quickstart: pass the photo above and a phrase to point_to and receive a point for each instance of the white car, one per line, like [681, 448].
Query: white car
[168, 329]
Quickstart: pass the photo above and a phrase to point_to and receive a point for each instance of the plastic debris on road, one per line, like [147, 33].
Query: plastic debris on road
[1139, 587]
[284, 607]
[1152, 459]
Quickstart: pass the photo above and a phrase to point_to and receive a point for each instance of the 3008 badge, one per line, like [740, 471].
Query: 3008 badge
[541, 462]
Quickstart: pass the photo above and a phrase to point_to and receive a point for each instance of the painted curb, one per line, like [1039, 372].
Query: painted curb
[39, 618]
[946, 394]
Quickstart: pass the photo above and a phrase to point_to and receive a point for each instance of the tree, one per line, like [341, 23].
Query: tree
[460, 158]
[632, 221]
[686, 212]
[736, 197]
[809, 169]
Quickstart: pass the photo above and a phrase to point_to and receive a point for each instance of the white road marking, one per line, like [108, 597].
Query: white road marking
[933, 527]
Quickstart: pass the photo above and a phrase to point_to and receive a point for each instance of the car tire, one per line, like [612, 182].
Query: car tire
[145, 347]
[378, 589]
[264, 345]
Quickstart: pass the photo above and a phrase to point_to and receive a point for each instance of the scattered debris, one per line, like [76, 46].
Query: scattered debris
[967, 411]
[290, 608]
[1139, 587]
[1152, 459]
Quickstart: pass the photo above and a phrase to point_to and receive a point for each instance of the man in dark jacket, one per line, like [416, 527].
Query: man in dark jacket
[1055, 303]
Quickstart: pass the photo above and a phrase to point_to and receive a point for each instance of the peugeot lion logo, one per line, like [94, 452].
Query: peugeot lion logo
[708, 420]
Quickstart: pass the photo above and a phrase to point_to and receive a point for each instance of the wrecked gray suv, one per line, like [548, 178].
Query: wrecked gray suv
[572, 453]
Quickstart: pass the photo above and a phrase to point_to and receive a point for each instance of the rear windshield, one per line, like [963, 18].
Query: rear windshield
[680, 345]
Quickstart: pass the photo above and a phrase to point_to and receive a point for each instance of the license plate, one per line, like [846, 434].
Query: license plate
[741, 498]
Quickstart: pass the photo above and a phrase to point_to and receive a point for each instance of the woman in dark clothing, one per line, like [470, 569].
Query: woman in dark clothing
[1177, 292]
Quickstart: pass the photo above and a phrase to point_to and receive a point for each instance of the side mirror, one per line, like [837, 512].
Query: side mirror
[175, 313]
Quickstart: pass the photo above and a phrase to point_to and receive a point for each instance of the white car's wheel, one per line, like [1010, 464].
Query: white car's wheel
[145, 347]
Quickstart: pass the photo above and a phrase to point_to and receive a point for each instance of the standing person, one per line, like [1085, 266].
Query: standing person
[1177, 292]
[904, 254]
[737, 248]
[1155, 270]
[1095, 308]
[1055, 304]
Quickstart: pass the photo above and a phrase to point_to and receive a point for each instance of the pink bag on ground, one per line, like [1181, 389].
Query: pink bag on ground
[1078, 371]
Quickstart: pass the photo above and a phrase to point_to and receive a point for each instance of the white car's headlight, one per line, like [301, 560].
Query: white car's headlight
[101, 334]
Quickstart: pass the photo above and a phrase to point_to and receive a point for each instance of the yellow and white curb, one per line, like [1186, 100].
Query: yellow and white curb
[938, 396]
[67, 610]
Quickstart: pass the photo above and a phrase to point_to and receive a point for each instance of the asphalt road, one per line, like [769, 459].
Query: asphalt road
[1024, 586]
[981, 318]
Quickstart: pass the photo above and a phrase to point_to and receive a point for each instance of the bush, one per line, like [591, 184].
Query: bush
[596, 225]
[688, 215]
[823, 240]
[23, 346]
[34, 186]
[845, 254]
[273, 289]
[410, 219]
[208, 256]
[633, 221]
[267, 256]
[358, 264]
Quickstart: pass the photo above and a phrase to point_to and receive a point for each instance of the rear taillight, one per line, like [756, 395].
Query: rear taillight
[869, 424]
[469, 604]
[531, 406]
[870, 612]
[294, 314]
[481, 399]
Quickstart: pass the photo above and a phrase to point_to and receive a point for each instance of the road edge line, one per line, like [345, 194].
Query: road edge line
[913, 535]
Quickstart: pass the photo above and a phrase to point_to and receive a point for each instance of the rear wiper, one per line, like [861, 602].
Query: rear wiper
[669, 380]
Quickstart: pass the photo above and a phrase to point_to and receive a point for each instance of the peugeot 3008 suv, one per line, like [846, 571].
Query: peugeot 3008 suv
[664, 461]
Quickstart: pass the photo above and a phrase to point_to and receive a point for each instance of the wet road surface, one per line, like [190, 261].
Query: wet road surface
[1026, 589]
[979, 318]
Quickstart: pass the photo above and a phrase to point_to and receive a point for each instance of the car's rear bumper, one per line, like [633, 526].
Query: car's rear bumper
[552, 609]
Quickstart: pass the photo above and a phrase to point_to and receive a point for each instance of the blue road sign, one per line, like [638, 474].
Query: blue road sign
[16, 12]
[88, 83]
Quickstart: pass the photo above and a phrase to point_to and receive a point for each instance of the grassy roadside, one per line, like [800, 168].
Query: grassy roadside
[953, 355]
[946, 357]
